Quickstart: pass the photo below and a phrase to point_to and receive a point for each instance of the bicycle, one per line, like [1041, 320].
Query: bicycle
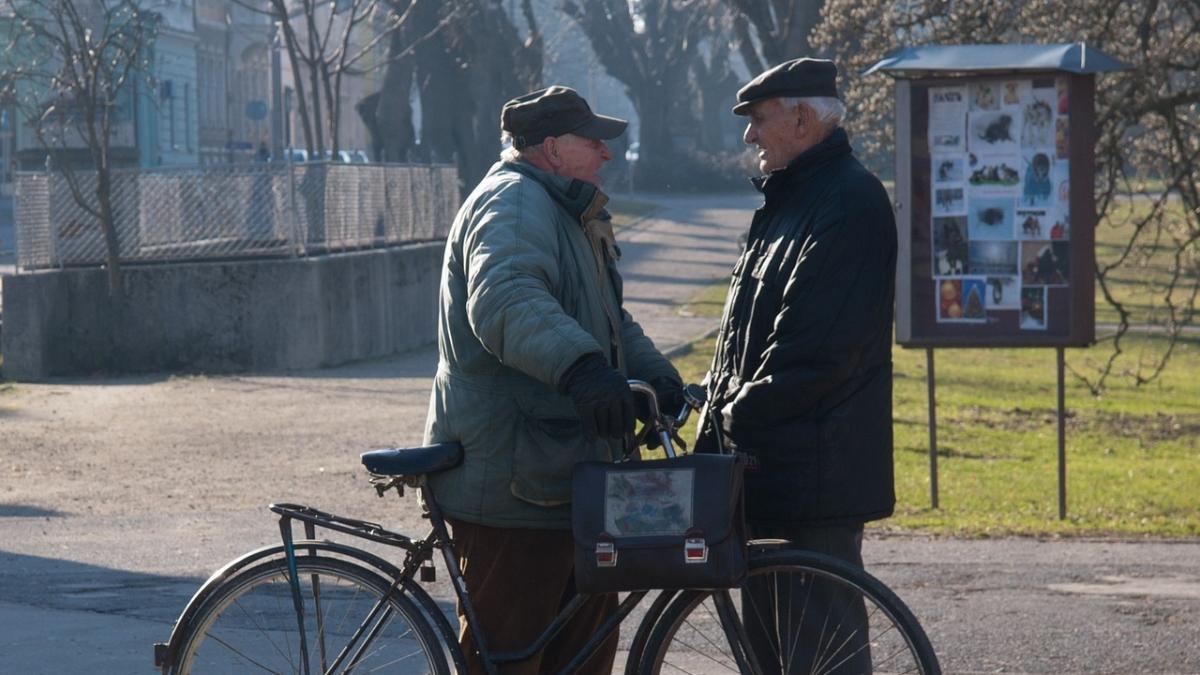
[316, 605]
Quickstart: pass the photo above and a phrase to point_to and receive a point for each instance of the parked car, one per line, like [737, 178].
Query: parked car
[359, 157]
[295, 155]
[343, 157]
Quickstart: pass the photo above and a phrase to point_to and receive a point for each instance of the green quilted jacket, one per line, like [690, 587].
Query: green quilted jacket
[529, 285]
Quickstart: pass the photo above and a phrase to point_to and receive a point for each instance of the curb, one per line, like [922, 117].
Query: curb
[685, 348]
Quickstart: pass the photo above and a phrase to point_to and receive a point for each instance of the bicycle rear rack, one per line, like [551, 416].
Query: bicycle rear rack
[359, 528]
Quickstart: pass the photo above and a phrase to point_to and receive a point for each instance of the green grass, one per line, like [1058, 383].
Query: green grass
[627, 211]
[1133, 455]
[708, 302]
[1139, 283]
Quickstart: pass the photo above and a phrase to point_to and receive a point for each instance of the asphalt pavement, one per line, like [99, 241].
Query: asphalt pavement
[88, 583]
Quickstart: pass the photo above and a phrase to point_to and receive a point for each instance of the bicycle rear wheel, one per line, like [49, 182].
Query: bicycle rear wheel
[251, 624]
[798, 612]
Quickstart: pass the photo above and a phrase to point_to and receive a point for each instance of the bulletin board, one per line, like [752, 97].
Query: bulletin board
[997, 234]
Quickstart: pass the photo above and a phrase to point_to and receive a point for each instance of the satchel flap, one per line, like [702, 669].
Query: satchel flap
[658, 502]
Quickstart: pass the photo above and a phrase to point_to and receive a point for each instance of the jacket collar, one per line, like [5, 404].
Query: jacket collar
[836, 144]
[581, 199]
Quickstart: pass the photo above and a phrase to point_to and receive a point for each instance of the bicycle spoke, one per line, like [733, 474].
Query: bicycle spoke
[712, 643]
[233, 649]
[287, 643]
[285, 654]
[395, 661]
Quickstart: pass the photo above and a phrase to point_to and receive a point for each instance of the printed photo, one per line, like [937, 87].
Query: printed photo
[985, 96]
[947, 169]
[1004, 293]
[946, 142]
[949, 300]
[1045, 263]
[990, 218]
[650, 502]
[992, 257]
[1038, 186]
[993, 133]
[1000, 172]
[1061, 141]
[1033, 308]
[1037, 120]
[1061, 229]
[1033, 224]
[950, 246]
[949, 201]
[1013, 92]
[1060, 86]
[973, 306]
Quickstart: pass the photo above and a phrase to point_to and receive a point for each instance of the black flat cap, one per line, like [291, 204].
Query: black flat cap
[555, 111]
[798, 77]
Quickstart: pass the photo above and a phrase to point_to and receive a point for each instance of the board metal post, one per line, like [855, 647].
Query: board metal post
[1062, 439]
[933, 470]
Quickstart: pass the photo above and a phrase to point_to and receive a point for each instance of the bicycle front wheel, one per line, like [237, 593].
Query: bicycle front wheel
[345, 621]
[797, 612]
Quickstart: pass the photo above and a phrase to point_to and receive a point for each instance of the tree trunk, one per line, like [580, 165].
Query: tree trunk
[388, 114]
[112, 242]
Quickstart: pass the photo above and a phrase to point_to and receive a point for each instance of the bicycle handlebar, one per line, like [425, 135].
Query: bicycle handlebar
[694, 399]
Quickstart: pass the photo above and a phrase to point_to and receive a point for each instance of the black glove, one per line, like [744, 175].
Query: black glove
[669, 393]
[602, 397]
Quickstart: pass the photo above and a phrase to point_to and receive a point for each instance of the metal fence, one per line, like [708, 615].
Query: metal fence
[231, 211]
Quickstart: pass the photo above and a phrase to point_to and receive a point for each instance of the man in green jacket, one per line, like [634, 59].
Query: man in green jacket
[534, 352]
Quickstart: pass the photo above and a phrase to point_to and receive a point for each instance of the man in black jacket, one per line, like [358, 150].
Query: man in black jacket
[802, 375]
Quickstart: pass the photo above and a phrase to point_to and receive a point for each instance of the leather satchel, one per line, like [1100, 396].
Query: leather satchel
[660, 524]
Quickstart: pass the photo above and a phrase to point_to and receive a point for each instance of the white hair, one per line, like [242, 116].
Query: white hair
[510, 153]
[829, 110]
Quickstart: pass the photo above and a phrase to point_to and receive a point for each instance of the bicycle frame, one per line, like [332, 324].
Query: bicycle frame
[419, 551]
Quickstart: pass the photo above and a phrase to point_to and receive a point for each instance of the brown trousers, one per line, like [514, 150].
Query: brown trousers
[518, 580]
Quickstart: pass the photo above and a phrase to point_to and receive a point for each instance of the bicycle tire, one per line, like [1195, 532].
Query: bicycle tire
[249, 623]
[820, 620]
[637, 645]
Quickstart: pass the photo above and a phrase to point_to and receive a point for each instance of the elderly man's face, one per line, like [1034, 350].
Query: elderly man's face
[780, 132]
[577, 157]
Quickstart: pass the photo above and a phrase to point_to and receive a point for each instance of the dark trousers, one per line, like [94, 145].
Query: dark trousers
[518, 580]
[802, 614]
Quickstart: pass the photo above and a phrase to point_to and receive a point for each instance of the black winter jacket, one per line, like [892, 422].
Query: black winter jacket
[802, 375]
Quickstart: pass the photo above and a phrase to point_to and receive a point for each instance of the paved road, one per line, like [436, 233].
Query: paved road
[118, 496]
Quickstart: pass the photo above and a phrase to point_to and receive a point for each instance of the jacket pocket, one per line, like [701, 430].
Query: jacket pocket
[856, 464]
[782, 481]
[548, 442]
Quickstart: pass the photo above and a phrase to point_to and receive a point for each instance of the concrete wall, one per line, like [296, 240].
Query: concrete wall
[222, 317]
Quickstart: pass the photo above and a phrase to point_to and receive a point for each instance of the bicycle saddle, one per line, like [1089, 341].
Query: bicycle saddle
[413, 461]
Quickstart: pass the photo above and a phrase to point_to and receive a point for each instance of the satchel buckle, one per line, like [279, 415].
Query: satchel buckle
[606, 554]
[695, 550]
